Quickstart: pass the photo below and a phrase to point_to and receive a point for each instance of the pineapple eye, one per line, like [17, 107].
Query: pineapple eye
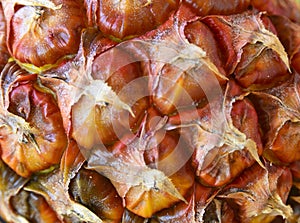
[126, 19]
[27, 140]
[29, 28]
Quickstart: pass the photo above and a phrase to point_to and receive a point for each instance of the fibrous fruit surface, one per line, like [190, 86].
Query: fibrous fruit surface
[148, 111]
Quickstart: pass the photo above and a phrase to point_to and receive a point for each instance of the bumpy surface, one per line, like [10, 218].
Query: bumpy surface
[148, 111]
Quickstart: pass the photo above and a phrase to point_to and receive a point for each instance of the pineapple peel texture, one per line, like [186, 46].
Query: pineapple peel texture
[102, 93]
[254, 34]
[170, 49]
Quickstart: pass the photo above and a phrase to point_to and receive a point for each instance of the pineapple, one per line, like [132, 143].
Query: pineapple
[150, 111]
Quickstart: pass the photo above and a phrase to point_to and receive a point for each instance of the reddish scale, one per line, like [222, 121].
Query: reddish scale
[89, 186]
[280, 126]
[161, 154]
[214, 166]
[128, 18]
[289, 35]
[204, 198]
[43, 144]
[295, 169]
[296, 62]
[221, 170]
[245, 118]
[262, 184]
[180, 212]
[268, 24]
[167, 142]
[284, 183]
[152, 118]
[260, 71]
[287, 143]
[202, 194]
[199, 34]
[72, 160]
[218, 7]
[287, 8]
[222, 35]
[158, 155]
[175, 93]
[228, 213]
[170, 87]
[40, 36]
[253, 65]
[147, 202]
[106, 122]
